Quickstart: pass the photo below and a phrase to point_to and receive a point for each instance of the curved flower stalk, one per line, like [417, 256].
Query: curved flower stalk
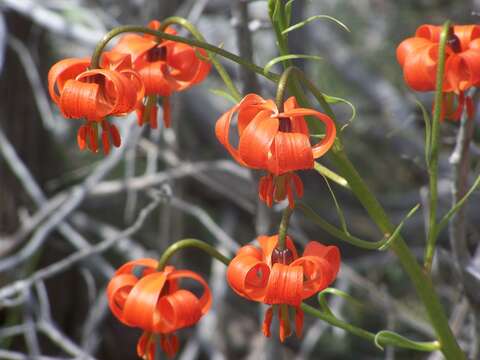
[141, 296]
[165, 67]
[418, 57]
[278, 142]
[112, 90]
[279, 277]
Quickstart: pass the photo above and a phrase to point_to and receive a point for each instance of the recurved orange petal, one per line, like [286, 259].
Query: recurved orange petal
[285, 285]
[205, 300]
[466, 34]
[135, 45]
[330, 130]
[154, 79]
[430, 32]
[177, 310]
[289, 152]
[80, 99]
[141, 306]
[248, 276]
[410, 47]
[63, 71]
[299, 125]
[256, 140]
[419, 70]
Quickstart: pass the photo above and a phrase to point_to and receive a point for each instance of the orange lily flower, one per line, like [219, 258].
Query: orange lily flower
[418, 57]
[278, 142]
[141, 296]
[281, 278]
[95, 94]
[165, 67]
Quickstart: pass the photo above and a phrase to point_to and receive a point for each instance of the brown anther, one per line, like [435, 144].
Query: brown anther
[157, 53]
[453, 41]
[285, 124]
[282, 256]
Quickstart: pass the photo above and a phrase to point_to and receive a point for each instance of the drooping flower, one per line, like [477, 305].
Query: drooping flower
[418, 57]
[281, 278]
[165, 67]
[94, 95]
[278, 142]
[141, 296]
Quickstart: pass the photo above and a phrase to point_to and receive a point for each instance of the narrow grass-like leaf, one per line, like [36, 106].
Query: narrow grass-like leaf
[446, 218]
[321, 296]
[428, 131]
[392, 338]
[288, 12]
[340, 213]
[323, 170]
[335, 100]
[380, 245]
[224, 94]
[278, 59]
[314, 18]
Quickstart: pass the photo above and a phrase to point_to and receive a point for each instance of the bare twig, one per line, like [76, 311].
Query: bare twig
[64, 264]
[53, 21]
[76, 197]
[40, 97]
[205, 219]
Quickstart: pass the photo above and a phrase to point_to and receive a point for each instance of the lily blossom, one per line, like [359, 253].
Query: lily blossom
[278, 142]
[95, 94]
[165, 67]
[418, 57]
[141, 296]
[279, 277]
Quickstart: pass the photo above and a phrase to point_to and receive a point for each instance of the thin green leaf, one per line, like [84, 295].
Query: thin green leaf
[272, 7]
[397, 230]
[428, 131]
[289, 57]
[314, 18]
[322, 296]
[323, 170]
[335, 100]
[392, 338]
[380, 245]
[446, 218]
[340, 213]
[288, 12]
[224, 94]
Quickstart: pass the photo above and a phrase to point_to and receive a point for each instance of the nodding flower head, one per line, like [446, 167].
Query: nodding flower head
[165, 67]
[279, 277]
[141, 296]
[278, 142]
[93, 95]
[418, 57]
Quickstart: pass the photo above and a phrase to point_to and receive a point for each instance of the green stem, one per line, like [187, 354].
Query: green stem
[434, 151]
[186, 243]
[283, 228]
[282, 87]
[197, 35]
[193, 42]
[422, 282]
[334, 321]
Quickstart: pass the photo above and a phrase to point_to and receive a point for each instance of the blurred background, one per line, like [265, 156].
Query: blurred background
[56, 202]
